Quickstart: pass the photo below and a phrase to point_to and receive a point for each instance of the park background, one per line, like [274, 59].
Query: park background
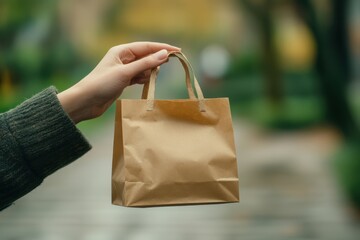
[291, 70]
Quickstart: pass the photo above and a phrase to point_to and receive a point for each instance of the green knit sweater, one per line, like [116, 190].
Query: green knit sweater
[36, 139]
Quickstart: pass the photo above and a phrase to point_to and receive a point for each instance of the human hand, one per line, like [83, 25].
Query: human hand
[123, 65]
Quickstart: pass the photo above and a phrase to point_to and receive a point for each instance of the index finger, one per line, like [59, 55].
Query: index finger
[140, 49]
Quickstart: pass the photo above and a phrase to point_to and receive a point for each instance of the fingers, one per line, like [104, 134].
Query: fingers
[141, 49]
[146, 63]
[137, 57]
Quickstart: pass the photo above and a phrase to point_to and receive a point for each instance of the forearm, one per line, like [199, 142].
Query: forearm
[36, 139]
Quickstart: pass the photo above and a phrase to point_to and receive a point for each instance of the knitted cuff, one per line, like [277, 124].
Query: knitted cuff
[48, 138]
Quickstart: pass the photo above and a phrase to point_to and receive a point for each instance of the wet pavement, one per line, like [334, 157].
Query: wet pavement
[287, 192]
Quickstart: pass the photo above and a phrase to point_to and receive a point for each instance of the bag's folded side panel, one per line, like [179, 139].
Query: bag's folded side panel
[118, 174]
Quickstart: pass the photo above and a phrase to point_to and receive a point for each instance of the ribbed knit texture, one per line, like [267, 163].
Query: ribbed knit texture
[36, 139]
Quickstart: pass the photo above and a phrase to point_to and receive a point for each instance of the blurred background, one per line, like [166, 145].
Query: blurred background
[291, 70]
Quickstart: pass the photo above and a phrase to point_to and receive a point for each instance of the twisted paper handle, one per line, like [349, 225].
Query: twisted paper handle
[149, 88]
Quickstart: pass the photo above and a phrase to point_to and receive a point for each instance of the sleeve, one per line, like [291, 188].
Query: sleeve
[36, 139]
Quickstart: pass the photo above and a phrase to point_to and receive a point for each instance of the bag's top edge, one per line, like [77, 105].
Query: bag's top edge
[173, 100]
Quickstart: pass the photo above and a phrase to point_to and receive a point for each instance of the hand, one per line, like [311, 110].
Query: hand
[123, 65]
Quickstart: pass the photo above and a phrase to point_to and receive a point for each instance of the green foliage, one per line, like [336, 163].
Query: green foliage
[245, 64]
[244, 84]
[35, 53]
[346, 164]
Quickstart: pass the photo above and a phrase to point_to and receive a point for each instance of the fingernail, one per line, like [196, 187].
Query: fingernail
[161, 55]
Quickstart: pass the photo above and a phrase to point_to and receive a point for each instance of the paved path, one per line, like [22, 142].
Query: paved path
[286, 193]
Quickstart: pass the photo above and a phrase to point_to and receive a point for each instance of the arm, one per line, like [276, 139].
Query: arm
[39, 136]
[36, 139]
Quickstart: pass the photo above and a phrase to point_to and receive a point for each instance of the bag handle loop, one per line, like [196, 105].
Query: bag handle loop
[187, 77]
[149, 88]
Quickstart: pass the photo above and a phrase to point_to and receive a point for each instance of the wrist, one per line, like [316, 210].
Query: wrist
[75, 104]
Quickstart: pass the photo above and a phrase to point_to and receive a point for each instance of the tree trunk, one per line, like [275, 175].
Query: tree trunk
[331, 65]
[271, 66]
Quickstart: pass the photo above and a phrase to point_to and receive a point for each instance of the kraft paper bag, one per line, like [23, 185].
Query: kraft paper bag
[174, 152]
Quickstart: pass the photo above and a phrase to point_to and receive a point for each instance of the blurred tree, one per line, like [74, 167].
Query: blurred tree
[33, 48]
[327, 22]
[332, 62]
[18, 31]
[261, 12]
[333, 68]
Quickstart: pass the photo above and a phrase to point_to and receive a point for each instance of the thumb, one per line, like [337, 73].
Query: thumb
[148, 62]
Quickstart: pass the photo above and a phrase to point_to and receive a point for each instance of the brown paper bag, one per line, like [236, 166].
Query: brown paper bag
[174, 152]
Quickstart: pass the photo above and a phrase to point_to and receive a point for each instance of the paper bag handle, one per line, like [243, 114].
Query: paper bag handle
[187, 78]
[149, 88]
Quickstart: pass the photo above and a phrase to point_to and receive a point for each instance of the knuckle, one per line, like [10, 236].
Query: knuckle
[114, 49]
